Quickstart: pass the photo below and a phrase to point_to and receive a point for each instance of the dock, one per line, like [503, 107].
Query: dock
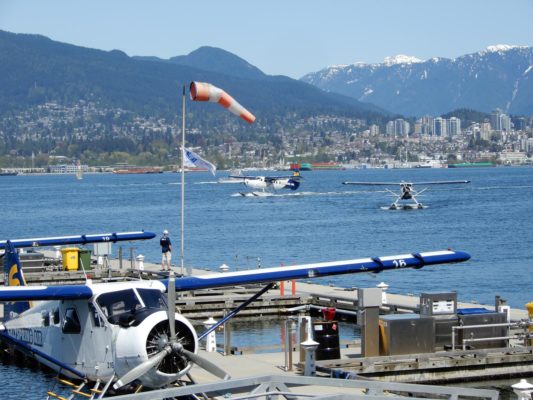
[456, 365]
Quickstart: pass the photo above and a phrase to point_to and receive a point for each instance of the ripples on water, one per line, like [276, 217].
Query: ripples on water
[490, 218]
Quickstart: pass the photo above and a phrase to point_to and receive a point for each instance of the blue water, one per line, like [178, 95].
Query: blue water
[491, 218]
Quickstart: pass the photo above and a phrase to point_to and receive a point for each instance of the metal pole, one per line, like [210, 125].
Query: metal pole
[182, 256]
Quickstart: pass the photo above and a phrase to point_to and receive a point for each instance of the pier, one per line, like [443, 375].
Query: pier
[515, 359]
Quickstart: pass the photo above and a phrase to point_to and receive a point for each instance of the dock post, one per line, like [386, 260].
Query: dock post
[227, 337]
[523, 389]
[288, 344]
[368, 303]
[120, 257]
[211, 339]
[310, 347]
[140, 262]
[305, 332]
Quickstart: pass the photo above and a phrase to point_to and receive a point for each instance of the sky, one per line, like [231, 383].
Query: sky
[280, 37]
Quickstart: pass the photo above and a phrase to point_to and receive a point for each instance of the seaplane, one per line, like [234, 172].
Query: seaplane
[122, 337]
[268, 184]
[406, 199]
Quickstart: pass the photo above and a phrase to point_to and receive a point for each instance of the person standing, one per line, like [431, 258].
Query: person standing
[166, 249]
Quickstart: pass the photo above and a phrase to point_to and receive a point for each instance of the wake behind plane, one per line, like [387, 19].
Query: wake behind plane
[406, 199]
[266, 185]
[120, 337]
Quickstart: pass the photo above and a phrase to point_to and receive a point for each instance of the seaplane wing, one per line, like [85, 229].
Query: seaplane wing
[316, 270]
[78, 239]
[407, 192]
[123, 334]
[404, 183]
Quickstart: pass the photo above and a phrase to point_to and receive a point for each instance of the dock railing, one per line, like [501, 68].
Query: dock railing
[302, 387]
[510, 325]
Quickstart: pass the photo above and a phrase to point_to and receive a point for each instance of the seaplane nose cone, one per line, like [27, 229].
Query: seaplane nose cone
[162, 341]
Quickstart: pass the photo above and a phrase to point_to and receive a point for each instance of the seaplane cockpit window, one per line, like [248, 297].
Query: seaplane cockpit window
[153, 298]
[71, 322]
[113, 304]
[45, 318]
[95, 316]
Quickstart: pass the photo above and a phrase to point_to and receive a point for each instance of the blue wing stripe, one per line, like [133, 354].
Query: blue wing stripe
[69, 292]
[80, 239]
[416, 260]
[27, 347]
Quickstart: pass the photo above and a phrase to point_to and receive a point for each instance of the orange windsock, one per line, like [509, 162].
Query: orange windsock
[201, 91]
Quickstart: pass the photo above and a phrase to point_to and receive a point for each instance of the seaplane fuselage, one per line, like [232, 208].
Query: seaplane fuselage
[118, 328]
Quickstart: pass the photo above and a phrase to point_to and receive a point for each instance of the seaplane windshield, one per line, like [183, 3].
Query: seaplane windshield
[129, 301]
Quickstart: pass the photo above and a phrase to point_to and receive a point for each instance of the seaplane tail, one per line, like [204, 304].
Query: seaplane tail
[13, 276]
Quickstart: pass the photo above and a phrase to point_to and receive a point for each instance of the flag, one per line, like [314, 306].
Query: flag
[191, 159]
[201, 91]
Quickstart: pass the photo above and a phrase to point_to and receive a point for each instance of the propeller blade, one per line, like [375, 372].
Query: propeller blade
[206, 364]
[172, 306]
[142, 369]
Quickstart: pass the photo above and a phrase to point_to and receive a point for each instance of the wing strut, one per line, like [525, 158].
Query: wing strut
[235, 311]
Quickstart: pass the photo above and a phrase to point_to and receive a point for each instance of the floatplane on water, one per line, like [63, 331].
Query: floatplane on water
[407, 192]
[267, 185]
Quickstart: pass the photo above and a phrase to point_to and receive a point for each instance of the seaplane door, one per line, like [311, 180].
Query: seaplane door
[84, 337]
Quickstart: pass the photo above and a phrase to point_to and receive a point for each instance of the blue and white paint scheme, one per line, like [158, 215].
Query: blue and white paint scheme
[268, 184]
[122, 333]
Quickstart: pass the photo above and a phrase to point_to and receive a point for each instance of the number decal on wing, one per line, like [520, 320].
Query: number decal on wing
[399, 263]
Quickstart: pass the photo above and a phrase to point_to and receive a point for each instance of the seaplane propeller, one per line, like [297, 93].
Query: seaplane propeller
[171, 353]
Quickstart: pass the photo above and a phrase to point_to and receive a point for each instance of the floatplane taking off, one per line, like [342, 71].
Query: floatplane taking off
[120, 336]
[407, 192]
[268, 184]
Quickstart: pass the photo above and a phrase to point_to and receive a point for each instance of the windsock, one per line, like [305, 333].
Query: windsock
[201, 91]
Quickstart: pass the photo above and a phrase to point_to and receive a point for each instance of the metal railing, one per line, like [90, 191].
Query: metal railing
[522, 324]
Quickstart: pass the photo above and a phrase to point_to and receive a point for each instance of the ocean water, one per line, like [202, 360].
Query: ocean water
[491, 218]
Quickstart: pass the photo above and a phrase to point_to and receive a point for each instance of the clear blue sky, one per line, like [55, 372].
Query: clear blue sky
[286, 37]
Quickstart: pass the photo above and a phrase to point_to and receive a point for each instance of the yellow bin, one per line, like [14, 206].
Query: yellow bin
[529, 307]
[70, 258]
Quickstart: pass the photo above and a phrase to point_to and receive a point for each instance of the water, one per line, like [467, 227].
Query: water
[490, 218]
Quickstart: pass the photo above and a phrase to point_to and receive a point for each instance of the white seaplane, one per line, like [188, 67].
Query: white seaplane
[116, 337]
[407, 192]
[268, 184]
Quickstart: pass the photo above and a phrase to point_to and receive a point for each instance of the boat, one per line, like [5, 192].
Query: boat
[327, 166]
[8, 173]
[471, 164]
[138, 170]
[300, 167]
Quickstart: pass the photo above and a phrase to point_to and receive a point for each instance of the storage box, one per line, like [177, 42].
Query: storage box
[406, 334]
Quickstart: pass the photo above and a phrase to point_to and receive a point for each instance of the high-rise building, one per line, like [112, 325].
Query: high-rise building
[499, 121]
[439, 127]
[374, 130]
[454, 127]
[401, 127]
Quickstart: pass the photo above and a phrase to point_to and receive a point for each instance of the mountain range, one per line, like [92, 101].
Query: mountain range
[499, 77]
[35, 69]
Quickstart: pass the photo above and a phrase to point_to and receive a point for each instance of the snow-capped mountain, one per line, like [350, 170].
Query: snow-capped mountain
[499, 77]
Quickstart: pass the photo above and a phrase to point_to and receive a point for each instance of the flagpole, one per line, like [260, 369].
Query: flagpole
[183, 184]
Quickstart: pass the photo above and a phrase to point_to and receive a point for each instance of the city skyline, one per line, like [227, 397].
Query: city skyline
[290, 39]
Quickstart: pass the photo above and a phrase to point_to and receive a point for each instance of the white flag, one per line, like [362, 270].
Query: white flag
[194, 160]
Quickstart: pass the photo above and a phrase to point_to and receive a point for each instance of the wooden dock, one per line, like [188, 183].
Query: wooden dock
[443, 366]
